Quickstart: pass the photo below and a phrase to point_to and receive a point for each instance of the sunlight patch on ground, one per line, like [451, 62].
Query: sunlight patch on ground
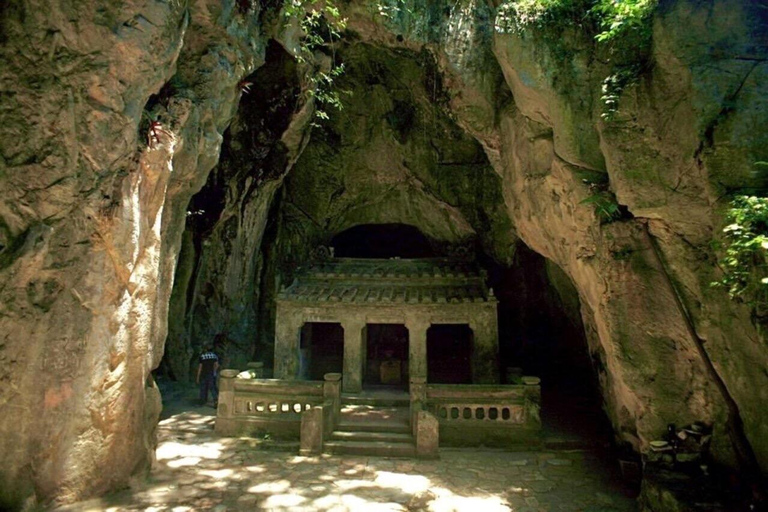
[349, 502]
[217, 474]
[446, 501]
[410, 484]
[278, 486]
[172, 450]
[283, 500]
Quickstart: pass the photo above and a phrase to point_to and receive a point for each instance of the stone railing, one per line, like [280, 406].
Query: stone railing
[424, 425]
[272, 406]
[491, 415]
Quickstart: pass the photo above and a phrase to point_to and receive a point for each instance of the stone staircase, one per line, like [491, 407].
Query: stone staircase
[372, 425]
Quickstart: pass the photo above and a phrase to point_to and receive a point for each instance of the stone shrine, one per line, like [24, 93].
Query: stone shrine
[416, 294]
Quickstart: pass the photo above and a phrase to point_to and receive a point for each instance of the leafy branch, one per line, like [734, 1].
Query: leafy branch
[745, 263]
[321, 24]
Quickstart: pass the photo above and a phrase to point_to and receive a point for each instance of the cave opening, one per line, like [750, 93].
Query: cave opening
[541, 333]
[382, 241]
[391, 177]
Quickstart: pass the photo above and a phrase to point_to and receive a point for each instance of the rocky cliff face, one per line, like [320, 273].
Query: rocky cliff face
[92, 210]
[92, 216]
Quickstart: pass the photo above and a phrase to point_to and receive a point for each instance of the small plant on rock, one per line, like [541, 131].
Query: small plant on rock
[606, 207]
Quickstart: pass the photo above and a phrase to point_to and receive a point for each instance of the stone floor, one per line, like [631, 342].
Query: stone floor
[198, 470]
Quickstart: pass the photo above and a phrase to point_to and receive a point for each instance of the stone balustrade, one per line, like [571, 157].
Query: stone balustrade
[493, 415]
[272, 406]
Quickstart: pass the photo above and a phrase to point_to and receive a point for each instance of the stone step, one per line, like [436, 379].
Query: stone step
[391, 400]
[357, 436]
[371, 448]
[373, 426]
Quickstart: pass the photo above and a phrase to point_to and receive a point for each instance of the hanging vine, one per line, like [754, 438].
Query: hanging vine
[321, 24]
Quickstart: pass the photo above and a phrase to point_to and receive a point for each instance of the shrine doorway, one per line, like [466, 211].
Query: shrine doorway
[449, 354]
[386, 360]
[321, 350]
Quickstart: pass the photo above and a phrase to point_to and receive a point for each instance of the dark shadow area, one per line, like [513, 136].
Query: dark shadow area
[386, 355]
[541, 334]
[322, 350]
[382, 241]
[449, 354]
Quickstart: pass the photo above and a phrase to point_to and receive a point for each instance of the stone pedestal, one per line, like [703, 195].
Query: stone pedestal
[226, 405]
[311, 431]
[427, 436]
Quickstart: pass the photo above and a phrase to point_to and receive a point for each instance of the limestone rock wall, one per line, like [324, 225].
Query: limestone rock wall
[92, 220]
[228, 218]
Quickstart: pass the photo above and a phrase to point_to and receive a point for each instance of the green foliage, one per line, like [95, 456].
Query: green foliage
[745, 271]
[606, 206]
[321, 24]
[614, 85]
[622, 29]
[615, 18]
[618, 18]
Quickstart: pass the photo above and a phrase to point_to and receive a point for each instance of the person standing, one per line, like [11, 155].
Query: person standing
[206, 376]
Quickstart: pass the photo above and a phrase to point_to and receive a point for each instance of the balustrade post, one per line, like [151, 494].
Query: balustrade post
[332, 392]
[311, 442]
[427, 436]
[226, 407]
[532, 401]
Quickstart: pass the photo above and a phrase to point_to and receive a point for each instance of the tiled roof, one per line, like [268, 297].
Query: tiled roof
[394, 281]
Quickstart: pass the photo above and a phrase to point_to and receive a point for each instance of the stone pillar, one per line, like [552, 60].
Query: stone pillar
[287, 335]
[354, 350]
[311, 440]
[427, 436]
[532, 401]
[224, 423]
[332, 392]
[417, 348]
[485, 354]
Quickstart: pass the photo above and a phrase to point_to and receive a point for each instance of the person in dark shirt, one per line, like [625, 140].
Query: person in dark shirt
[206, 376]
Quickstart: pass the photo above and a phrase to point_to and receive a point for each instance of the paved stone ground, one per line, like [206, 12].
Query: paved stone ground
[198, 470]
